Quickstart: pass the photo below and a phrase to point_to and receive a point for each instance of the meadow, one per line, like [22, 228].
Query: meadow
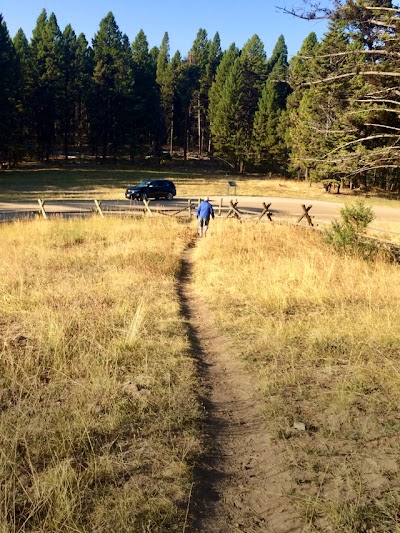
[321, 332]
[99, 413]
[101, 423]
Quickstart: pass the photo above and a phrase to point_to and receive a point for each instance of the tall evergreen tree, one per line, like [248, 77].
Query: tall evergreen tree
[68, 99]
[198, 59]
[318, 125]
[278, 74]
[229, 125]
[46, 48]
[113, 82]
[9, 85]
[85, 91]
[299, 72]
[254, 65]
[228, 59]
[186, 76]
[214, 59]
[166, 79]
[280, 51]
[146, 97]
[24, 133]
[268, 131]
[246, 77]
[299, 65]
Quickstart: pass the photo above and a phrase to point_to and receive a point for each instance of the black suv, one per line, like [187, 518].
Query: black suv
[151, 189]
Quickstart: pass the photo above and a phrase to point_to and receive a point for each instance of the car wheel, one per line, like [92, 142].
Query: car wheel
[143, 196]
[169, 196]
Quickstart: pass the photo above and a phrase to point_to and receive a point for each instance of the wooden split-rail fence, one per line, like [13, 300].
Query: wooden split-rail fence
[47, 209]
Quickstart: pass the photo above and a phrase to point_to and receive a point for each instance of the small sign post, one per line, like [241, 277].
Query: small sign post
[231, 184]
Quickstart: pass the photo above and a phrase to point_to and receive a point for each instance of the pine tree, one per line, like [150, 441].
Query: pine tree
[198, 59]
[318, 126]
[244, 82]
[113, 80]
[278, 74]
[268, 138]
[228, 59]
[8, 94]
[254, 65]
[269, 126]
[299, 66]
[46, 48]
[24, 132]
[186, 76]
[214, 59]
[166, 82]
[231, 140]
[146, 98]
[280, 51]
[70, 82]
[85, 91]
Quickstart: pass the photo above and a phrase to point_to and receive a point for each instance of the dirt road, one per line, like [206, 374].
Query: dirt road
[288, 209]
[241, 483]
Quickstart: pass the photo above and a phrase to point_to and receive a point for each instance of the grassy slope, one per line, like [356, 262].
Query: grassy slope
[98, 410]
[322, 333]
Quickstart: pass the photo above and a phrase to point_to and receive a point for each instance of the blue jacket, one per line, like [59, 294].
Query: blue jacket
[205, 210]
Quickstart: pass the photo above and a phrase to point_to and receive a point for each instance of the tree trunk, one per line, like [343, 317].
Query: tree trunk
[185, 136]
[199, 123]
[171, 141]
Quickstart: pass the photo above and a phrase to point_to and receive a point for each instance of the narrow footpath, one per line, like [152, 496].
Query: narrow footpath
[241, 482]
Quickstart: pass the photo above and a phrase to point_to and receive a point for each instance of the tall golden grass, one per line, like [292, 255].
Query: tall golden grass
[98, 410]
[322, 332]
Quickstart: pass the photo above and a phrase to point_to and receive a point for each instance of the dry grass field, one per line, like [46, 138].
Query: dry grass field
[321, 331]
[100, 420]
[99, 415]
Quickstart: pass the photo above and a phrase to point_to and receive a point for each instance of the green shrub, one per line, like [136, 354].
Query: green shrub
[357, 216]
[345, 235]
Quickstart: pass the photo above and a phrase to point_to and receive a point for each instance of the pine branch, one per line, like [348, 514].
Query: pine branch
[382, 126]
[378, 51]
[377, 100]
[352, 75]
[369, 138]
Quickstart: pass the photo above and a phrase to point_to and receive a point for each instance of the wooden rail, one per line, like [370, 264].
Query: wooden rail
[47, 209]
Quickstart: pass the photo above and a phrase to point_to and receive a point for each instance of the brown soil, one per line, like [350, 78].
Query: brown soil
[241, 482]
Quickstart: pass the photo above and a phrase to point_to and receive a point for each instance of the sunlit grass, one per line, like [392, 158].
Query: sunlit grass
[98, 420]
[322, 333]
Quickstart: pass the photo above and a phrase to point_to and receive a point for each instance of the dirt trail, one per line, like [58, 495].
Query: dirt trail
[241, 483]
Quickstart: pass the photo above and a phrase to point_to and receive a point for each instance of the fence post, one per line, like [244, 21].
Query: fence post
[98, 208]
[234, 211]
[220, 206]
[266, 211]
[41, 209]
[147, 208]
[305, 214]
[190, 208]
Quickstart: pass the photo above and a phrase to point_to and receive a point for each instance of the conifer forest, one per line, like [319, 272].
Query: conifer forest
[330, 112]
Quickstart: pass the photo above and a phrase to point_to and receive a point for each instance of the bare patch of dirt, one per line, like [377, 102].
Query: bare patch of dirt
[241, 484]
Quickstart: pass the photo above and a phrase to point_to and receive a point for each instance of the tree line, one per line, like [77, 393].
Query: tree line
[329, 113]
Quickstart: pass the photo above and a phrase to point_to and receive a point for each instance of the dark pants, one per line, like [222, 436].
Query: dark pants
[203, 226]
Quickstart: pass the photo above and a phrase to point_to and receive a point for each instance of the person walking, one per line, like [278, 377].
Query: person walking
[204, 212]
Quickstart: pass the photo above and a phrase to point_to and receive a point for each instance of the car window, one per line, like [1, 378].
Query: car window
[143, 184]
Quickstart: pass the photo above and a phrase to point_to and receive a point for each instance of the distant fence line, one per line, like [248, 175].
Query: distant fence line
[47, 209]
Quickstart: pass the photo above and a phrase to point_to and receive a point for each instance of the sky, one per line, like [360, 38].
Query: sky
[236, 21]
